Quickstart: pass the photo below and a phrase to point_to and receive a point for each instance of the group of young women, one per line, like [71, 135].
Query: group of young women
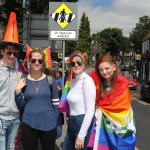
[99, 106]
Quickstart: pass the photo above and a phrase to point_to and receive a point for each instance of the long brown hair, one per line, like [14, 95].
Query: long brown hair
[111, 60]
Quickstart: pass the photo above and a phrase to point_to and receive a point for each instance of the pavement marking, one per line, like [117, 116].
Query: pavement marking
[140, 101]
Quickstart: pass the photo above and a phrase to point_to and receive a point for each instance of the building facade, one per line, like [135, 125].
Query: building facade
[145, 61]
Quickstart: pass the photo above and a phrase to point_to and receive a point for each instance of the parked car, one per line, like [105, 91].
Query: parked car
[145, 91]
[132, 83]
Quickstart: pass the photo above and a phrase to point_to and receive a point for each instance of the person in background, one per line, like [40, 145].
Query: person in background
[81, 100]
[39, 106]
[115, 126]
[57, 74]
[59, 81]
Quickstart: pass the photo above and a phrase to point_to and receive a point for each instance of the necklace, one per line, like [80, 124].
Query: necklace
[36, 77]
[36, 86]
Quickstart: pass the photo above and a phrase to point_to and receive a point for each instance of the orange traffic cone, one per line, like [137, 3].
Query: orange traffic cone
[11, 34]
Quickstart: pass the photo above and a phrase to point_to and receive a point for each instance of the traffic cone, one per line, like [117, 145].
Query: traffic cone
[11, 33]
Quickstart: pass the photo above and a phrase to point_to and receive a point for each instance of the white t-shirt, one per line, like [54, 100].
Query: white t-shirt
[81, 99]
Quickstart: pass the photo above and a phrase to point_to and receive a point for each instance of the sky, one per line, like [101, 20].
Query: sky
[123, 14]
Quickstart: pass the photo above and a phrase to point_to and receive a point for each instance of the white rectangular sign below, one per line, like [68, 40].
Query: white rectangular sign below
[66, 35]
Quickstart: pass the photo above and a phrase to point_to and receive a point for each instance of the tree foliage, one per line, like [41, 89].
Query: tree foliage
[139, 32]
[112, 40]
[39, 7]
[70, 47]
[84, 41]
[125, 45]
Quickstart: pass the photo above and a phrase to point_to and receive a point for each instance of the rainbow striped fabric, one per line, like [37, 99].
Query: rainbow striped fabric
[48, 60]
[63, 104]
[115, 126]
[28, 50]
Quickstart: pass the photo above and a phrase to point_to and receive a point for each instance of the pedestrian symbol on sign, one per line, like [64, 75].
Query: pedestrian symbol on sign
[63, 15]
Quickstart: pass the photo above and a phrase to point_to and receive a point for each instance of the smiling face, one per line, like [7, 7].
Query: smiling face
[9, 55]
[36, 61]
[106, 70]
[77, 65]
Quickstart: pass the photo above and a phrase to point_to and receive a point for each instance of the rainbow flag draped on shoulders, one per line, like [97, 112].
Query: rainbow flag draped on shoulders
[114, 127]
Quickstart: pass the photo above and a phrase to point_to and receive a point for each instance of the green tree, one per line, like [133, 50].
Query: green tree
[125, 45]
[100, 41]
[39, 7]
[112, 39]
[139, 32]
[84, 40]
[125, 48]
[70, 47]
[42, 7]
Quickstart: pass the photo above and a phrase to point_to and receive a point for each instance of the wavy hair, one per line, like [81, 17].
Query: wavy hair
[37, 50]
[102, 84]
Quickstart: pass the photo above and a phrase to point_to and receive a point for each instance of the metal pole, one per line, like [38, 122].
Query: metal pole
[27, 2]
[63, 65]
[29, 30]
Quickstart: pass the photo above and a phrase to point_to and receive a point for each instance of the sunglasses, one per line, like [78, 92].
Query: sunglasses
[40, 61]
[79, 63]
[9, 53]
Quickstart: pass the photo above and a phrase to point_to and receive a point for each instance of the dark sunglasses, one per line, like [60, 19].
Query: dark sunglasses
[40, 61]
[15, 54]
[79, 63]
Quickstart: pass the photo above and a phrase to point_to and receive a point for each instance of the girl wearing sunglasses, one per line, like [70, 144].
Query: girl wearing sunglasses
[39, 105]
[81, 100]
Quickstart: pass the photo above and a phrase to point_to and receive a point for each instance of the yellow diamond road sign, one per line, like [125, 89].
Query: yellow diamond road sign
[63, 15]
